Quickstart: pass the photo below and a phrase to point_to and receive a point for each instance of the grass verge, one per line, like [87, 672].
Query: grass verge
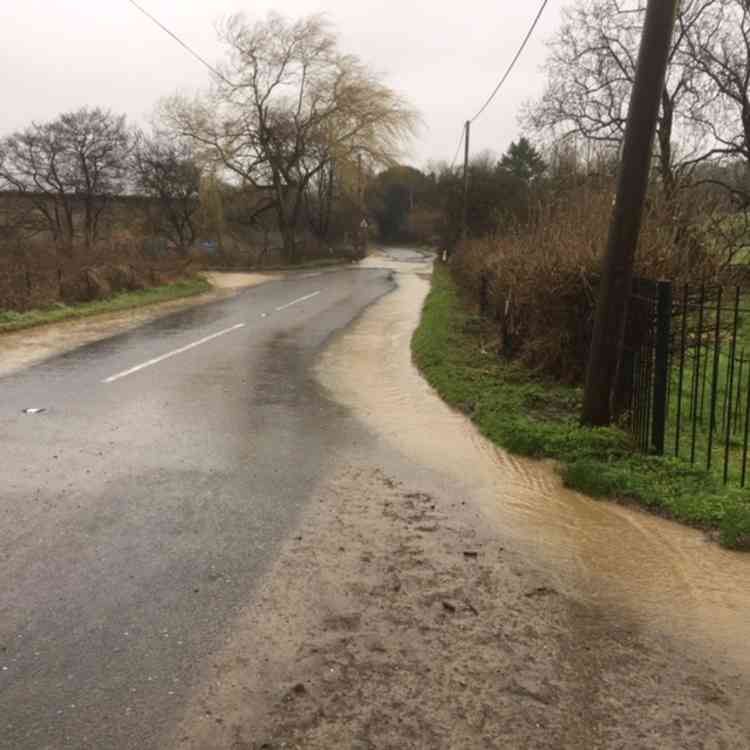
[533, 417]
[16, 321]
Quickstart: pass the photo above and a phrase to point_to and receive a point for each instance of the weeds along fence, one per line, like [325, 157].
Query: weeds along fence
[684, 388]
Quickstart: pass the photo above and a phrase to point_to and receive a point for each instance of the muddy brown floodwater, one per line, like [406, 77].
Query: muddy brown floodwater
[672, 578]
[440, 593]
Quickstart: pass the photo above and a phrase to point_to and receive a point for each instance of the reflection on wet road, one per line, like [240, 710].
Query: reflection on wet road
[137, 516]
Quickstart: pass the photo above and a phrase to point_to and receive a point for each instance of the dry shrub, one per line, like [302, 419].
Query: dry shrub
[38, 275]
[539, 281]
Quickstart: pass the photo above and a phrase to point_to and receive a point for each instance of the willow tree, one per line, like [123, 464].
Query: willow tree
[286, 106]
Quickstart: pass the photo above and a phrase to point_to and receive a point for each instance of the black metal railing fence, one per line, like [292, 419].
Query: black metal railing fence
[684, 386]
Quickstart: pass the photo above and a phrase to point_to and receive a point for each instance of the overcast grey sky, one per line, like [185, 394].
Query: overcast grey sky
[446, 57]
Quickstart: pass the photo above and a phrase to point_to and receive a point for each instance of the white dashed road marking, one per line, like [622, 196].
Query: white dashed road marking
[202, 341]
[297, 301]
[169, 355]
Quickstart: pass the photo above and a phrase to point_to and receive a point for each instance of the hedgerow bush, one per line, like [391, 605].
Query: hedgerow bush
[539, 280]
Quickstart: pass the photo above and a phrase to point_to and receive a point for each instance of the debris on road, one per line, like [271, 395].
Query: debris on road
[540, 591]
[472, 608]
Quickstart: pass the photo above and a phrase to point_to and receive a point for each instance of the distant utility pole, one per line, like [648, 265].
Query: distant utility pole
[465, 217]
[617, 274]
[362, 224]
[359, 183]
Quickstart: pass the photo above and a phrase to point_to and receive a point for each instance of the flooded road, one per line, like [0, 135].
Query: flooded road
[671, 580]
[208, 544]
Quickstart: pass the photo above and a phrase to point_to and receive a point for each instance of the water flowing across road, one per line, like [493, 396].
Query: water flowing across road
[671, 579]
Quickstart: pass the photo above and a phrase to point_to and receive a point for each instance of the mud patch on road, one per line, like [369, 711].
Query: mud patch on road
[394, 620]
[226, 280]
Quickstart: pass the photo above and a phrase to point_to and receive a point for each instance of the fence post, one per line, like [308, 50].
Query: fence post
[661, 364]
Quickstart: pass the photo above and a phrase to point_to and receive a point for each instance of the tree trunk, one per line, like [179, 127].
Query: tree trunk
[288, 214]
[88, 229]
[664, 134]
[329, 201]
[290, 244]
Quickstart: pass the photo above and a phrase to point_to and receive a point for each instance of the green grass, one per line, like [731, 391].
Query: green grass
[531, 416]
[15, 321]
[733, 226]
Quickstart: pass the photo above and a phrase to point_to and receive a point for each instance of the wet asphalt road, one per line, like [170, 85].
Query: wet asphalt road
[137, 515]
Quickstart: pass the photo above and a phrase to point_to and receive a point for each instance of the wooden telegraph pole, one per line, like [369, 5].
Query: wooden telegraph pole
[617, 276]
[465, 217]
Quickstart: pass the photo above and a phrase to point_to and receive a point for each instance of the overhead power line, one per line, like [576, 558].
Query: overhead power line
[458, 148]
[178, 40]
[513, 63]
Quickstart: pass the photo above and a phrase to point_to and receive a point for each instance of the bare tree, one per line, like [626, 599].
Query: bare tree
[97, 144]
[319, 198]
[288, 103]
[74, 164]
[591, 70]
[167, 172]
[31, 162]
[720, 52]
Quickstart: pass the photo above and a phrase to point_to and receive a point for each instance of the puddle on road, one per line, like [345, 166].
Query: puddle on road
[668, 576]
